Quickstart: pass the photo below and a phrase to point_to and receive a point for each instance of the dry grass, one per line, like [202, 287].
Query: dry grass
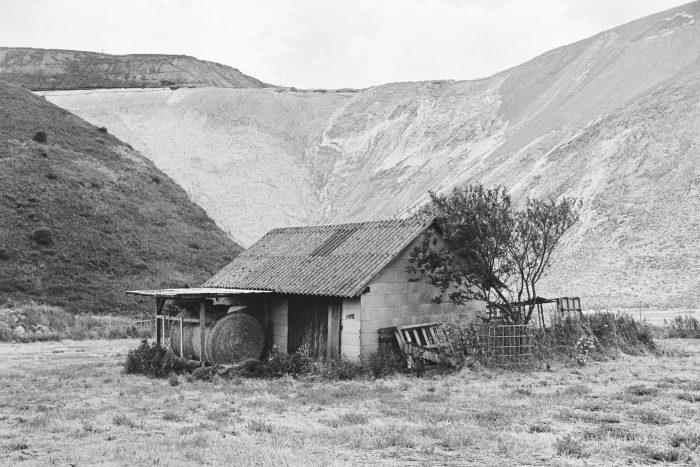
[69, 403]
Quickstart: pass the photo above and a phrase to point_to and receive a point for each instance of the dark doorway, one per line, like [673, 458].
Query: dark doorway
[314, 323]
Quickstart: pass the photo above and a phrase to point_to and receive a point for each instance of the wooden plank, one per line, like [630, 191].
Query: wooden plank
[335, 309]
[400, 340]
[415, 335]
[425, 336]
[411, 326]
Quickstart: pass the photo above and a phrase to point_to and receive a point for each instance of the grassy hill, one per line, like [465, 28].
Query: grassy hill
[83, 217]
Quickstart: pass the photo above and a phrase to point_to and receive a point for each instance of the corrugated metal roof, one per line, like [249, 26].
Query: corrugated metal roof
[337, 260]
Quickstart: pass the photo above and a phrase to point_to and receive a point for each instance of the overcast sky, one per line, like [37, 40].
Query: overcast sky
[323, 43]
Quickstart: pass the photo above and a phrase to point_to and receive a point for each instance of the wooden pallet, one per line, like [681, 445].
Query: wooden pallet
[569, 304]
[425, 340]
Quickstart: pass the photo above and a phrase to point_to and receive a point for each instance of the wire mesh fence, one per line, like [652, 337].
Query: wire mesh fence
[505, 344]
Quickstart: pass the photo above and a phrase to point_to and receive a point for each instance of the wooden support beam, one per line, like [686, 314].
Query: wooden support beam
[160, 301]
[202, 331]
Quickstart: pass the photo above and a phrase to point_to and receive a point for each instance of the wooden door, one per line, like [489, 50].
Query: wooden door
[308, 324]
[314, 323]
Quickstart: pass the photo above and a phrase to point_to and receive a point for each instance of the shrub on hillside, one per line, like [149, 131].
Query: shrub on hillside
[40, 137]
[53, 317]
[42, 236]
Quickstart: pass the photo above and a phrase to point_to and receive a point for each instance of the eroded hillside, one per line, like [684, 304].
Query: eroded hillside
[612, 119]
[43, 69]
[85, 217]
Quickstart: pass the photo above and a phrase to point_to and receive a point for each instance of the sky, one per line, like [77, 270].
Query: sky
[324, 43]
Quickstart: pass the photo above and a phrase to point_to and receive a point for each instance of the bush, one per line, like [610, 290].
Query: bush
[294, 364]
[42, 236]
[102, 129]
[5, 333]
[146, 360]
[383, 362]
[40, 137]
[335, 369]
[155, 361]
[620, 331]
[596, 334]
[463, 340]
[684, 327]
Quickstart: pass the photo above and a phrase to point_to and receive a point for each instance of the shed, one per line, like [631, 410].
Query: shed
[330, 288]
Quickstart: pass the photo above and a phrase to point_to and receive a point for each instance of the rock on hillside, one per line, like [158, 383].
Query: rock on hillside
[85, 217]
[43, 69]
[613, 119]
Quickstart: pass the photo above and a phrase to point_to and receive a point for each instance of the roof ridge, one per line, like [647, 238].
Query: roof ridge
[348, 224]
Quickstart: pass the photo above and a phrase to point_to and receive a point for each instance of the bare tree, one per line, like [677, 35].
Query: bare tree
[486, 250]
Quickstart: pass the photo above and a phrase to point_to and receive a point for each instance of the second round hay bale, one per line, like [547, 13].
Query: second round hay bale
[234, 338]
[191, 341]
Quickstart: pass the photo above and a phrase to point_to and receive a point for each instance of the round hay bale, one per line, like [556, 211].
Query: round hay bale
[234, 338]
[191, 338]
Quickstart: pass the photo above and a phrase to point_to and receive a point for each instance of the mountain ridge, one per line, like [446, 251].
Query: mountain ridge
[60, 69]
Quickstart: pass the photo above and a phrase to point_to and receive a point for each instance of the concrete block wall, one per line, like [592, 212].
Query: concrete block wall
[350, 321]
[277, 306]
[394, 300]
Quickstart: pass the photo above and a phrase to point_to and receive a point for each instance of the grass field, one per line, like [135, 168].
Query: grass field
[68, 403]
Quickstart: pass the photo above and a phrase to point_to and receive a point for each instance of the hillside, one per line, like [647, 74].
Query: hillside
[612, 119]
[85, 217]
[45, 69]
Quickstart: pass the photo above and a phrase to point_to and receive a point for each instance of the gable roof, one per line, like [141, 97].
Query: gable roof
[336, 260]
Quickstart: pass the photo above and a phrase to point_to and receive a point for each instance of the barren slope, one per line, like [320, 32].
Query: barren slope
[83, 217]
[71, 69]
[612, 119]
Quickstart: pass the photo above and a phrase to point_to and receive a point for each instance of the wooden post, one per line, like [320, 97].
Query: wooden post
[160, 301]
[202, 330]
